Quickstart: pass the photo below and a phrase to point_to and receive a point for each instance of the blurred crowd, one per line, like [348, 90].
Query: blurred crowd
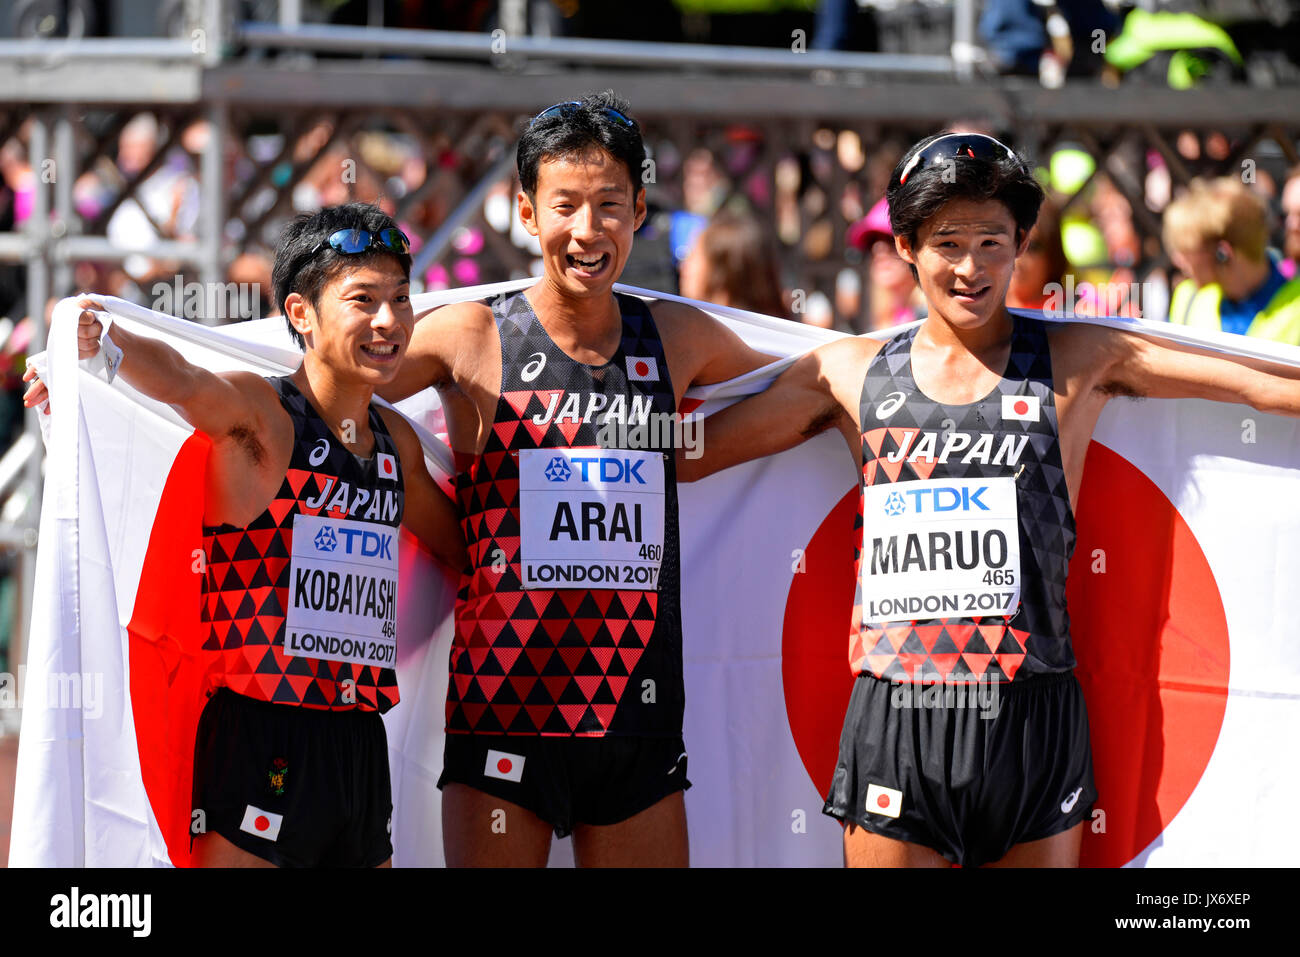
[801, 233]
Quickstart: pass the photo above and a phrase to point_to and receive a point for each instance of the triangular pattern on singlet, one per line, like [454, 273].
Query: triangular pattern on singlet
[1036, 639]
[246, 580]
[580, 661]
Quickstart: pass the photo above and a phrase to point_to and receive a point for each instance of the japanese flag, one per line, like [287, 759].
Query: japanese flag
[261, 823]
[503, 765]
[642, 369]
[387, 467]
[1181, 619]
[883, 800]
[1022, 408]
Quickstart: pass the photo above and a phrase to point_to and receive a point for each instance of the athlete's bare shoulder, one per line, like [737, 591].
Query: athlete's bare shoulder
[1084, 356]
[453, 334]
[256, 422]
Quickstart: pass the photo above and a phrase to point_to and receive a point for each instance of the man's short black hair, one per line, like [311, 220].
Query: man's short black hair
[578, 129]
[298, 270]
[1006, 179]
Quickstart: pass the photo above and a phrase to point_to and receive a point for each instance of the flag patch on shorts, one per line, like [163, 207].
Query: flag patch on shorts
[883, 800]
[507, 767]
[261, 823]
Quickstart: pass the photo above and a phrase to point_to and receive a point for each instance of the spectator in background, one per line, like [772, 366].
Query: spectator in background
[1291, 238]
[893, 295]
[1221, 234]
[733, 262]
[1042, 263]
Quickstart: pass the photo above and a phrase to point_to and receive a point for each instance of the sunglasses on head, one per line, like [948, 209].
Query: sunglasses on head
[350, 242]
[945, 148]
[572, 106]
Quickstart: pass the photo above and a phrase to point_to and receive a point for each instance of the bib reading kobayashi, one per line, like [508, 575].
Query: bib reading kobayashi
[342, 591]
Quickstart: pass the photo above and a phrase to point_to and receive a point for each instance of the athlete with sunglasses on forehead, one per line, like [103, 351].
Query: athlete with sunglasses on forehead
[970, 432]
[565, 696]
[307, 481]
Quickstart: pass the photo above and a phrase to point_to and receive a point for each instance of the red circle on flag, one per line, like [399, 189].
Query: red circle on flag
[261, 822]
[642, 368]
[882, 800]
[1149, 633]
[504, 765]
[388, 466]
[1020, 406]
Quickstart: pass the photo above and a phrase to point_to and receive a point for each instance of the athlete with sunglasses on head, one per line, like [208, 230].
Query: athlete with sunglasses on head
[565, 698]
[970, 431]
[307, 481]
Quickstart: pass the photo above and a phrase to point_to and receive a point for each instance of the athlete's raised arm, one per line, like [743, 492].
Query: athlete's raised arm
[438, 338]
[821, 389]
[216, 404]
[1144, 366]
[427, 513]
[702, 350]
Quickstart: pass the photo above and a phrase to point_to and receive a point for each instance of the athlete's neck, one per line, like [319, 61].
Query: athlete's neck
[345, 407]
[980, 341]
[586, 329]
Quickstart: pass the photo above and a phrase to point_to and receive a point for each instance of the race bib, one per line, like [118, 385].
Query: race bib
[342, 591]
[591, 518]
[940, 548]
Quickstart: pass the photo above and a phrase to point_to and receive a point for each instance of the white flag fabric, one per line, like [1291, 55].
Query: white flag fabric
[1184, 622]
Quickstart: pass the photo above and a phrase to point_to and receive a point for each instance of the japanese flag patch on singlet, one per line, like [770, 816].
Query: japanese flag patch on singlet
[940, 548]
[591, 517]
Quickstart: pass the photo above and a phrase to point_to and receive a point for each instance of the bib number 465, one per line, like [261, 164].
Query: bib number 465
[1000, 576]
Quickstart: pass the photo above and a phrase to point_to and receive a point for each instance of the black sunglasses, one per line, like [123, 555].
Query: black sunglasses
[350, 242]
[572, 106]
[942, 150]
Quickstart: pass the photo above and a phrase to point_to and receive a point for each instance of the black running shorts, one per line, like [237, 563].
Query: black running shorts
[960, 771]
[298, 787]
[569, 781]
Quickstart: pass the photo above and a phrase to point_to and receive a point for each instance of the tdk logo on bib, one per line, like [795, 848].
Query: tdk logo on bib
[326, 541]
[558, 470]
[608, 469]
[939, 499]
[366, 543]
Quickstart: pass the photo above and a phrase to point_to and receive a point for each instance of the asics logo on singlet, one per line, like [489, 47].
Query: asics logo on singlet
[1068, 804]
[534, 368]
[893, 402]
[326, 540]
[558, 470]
[319, 452]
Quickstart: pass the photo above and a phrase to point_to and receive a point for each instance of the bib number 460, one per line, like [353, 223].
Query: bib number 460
[650, 553]
[1000, 576]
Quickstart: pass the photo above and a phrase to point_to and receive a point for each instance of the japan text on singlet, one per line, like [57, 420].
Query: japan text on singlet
[569, 620]
[301, 604]
[965, 525]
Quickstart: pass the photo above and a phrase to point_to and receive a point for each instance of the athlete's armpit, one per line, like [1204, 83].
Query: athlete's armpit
[246, 437]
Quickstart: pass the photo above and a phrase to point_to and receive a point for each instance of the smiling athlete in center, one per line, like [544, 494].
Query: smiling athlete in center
[565, 698]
